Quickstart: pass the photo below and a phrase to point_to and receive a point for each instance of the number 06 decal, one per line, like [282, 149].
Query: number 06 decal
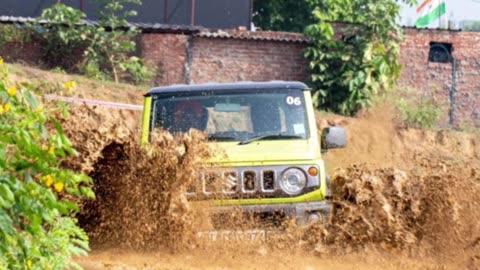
[294, 101]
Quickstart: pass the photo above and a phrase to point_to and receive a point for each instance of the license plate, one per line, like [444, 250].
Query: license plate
[238, 235]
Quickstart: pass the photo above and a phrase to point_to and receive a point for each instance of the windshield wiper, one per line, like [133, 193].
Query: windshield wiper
[270, 136]
[214, 137]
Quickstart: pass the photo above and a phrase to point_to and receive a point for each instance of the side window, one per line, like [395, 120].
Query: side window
[161, 119]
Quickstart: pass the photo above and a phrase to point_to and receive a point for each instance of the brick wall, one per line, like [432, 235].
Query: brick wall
[197, 59]
[230, 60]
[427, 78]
[264, 56]
[168, 54]
[16, 51]
[226, 56]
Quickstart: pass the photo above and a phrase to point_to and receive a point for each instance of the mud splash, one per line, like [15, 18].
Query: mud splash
[140, 190]
[422, 203]
[141, 202]
[429, 211]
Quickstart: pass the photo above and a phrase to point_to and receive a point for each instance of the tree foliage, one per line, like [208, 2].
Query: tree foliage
[107, 47]
[471, 25]
[63, 35]
[282, 15]
[37, 228]
[112, 42]
[351, 62]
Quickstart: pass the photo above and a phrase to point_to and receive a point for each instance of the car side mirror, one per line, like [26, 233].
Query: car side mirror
[333, 137]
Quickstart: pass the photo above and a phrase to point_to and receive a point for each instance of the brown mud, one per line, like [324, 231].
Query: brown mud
[402, 198]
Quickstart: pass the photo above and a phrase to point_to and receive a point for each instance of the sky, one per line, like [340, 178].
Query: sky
[457, 11]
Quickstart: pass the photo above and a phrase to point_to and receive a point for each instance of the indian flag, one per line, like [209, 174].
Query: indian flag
[430, 11]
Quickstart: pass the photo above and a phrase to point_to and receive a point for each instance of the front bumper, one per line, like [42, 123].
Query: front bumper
[303, 213]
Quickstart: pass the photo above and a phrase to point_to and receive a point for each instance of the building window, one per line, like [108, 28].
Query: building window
[440, 52]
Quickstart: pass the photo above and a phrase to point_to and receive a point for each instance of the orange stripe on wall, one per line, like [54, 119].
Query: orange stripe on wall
[423, 5]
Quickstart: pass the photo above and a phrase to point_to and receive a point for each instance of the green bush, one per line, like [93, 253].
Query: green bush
[351, 63]
[424, 112]
[12, 33]
[137, 70]
[107, 49]
[63, 36]
[37, 228]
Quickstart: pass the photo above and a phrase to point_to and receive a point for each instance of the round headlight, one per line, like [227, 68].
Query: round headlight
[293, 180]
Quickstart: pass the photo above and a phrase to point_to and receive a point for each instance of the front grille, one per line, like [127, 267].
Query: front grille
[249, 181]
[238, 183]
[268, 181]
[230, 182]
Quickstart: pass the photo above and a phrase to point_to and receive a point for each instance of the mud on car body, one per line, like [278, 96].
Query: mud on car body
[267, 131]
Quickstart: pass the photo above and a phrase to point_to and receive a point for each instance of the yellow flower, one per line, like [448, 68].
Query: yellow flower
[1, 110]
[12, 91]
[48, 180]
[1, 61]
[8, 107]
[39, 109]
[58, 186]
[29, 264]
[32, 192]
[69, 85]
[51, 150]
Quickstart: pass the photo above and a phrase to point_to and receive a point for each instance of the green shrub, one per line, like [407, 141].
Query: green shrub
[107, 49]
[351, 63]
[138, 71]
[63, 37]
[112, 46]
[37, 228]
[424, 112]
[12, 33]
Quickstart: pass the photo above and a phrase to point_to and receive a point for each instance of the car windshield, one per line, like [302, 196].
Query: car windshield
[243, 116]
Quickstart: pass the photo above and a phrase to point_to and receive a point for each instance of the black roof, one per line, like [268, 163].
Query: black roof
[143, 27]
[227, 86]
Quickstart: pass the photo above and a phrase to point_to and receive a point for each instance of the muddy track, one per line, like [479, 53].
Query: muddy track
[410, 201]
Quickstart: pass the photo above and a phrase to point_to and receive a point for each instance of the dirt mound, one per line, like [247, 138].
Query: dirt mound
[426, 211]
[375, 139]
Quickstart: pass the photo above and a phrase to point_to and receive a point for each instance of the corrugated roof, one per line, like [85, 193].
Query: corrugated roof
[199, 31]
[12, 19]
[144, 27]
[261, 35]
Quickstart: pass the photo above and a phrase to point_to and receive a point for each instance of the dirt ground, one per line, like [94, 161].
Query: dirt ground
[403, 198]
[432, 225]
[216, 260]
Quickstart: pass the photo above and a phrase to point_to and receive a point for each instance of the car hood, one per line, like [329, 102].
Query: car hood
[264, 151]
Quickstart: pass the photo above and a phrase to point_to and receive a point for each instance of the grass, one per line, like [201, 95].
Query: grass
[53, 81]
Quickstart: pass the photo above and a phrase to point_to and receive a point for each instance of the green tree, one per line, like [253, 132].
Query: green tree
[37, 228]
[282, 15]
[62, 35]
[113, 41]
[471, 25]
[351, 62]
[108, 47]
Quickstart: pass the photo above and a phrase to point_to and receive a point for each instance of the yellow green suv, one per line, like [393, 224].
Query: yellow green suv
[272, 158]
